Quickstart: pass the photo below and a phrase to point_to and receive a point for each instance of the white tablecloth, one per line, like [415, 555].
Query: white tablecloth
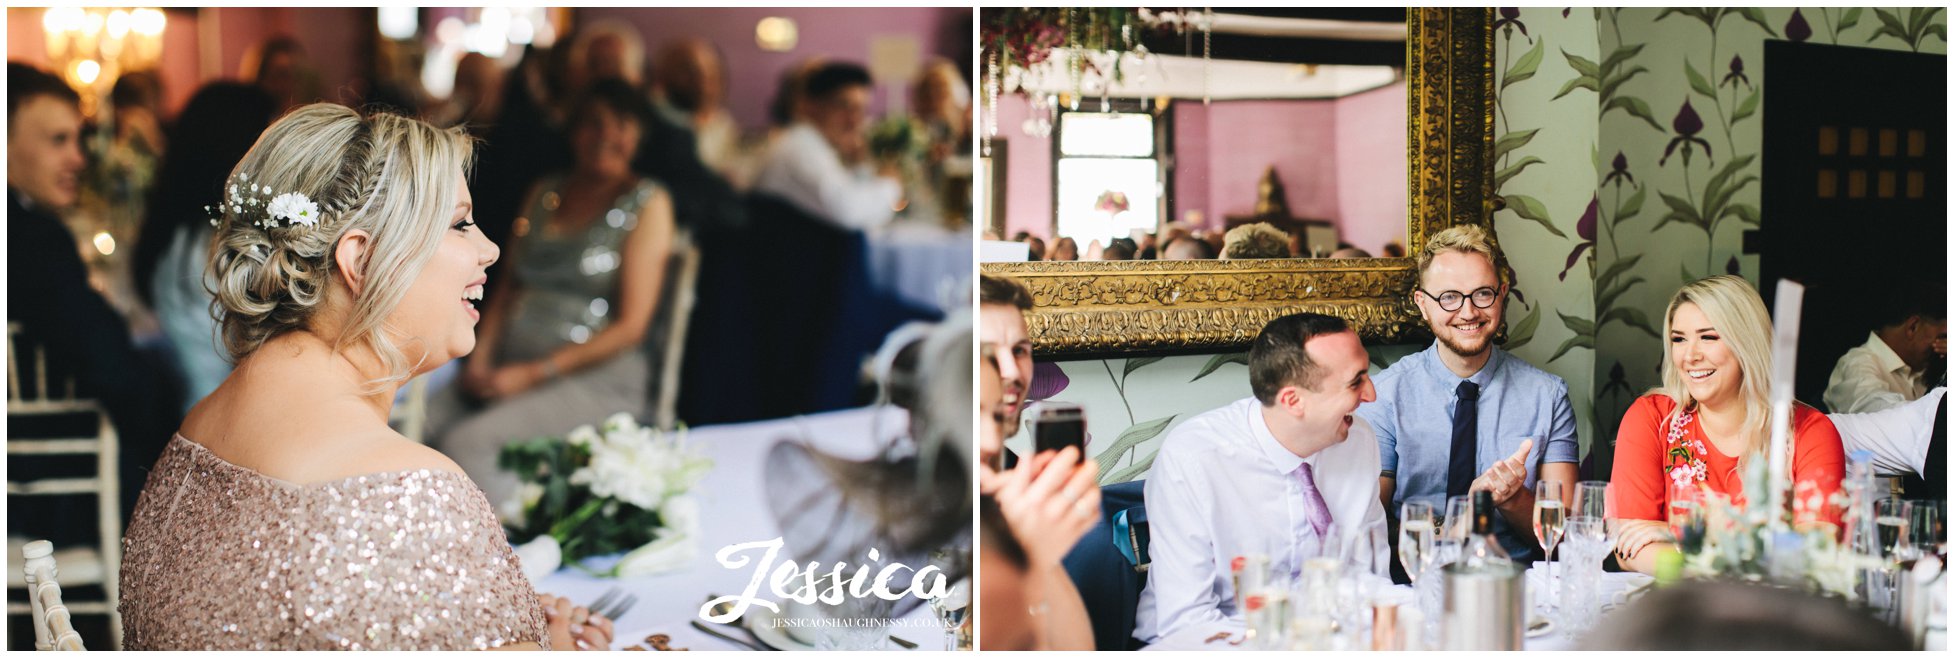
[921, 264]
[1195, 638]
[734, 511]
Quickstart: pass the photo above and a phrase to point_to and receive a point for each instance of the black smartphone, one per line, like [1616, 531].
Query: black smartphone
[1059, 424]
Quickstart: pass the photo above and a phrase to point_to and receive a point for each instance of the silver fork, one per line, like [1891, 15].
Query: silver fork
[617, 608]
[610, 596]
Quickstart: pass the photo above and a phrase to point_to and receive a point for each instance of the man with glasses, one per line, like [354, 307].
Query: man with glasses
[1465, 415]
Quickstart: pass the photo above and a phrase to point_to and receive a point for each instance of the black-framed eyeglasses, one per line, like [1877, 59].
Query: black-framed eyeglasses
[1452, 300]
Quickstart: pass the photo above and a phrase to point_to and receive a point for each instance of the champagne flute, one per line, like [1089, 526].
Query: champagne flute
[1549, 512]
[1415, 530]
[951, 609]
[1458, 519]
[1927, 529]
[1590, 499]
[1890, 516]
[1686, 518]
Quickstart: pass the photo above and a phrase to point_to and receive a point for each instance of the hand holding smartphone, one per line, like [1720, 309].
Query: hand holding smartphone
[1057, 425]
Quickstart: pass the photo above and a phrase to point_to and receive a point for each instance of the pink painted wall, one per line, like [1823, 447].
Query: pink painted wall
[1027, 171]
[839, 33]
[1371, 173]
[1243, 139]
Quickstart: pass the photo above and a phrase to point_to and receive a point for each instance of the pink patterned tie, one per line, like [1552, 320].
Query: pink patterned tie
[1319, 511]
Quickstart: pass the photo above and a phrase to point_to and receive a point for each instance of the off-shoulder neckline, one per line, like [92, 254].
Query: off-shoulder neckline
[199, 448]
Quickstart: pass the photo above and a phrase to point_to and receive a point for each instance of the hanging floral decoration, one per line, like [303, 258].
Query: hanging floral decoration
[1099, 44]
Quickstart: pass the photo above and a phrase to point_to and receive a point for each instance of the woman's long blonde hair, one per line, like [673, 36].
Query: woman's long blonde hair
[389, 175]
[1733, 307]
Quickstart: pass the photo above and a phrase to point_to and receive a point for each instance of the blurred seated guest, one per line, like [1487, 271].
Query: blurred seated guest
[219, 125]
[476, 101]
[690, 92]
[822, 163]
[606, 49]
[1297, 247]
[942, 103]
[1715, 615]
[1145, 247]
[1094, 250]
[1009, 593]
[1187, 248]
[1216, 239]
[559, 345]
[1288, 472]
[1909, 441]
[48, 291]
[278, 65]
[339, 279]
[1393, 250]
[1715, 398]
[1258, 240]
[1890, 369]
[1063, 249]
[1348, 251]
[1037, 247]
[1120, 249]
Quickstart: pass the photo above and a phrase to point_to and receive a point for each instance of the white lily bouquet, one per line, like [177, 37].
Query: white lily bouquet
[618, 488]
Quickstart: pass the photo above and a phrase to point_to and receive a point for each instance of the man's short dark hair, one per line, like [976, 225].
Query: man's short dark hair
[1003, 290]
[1278, 359]
[25, 81]
[824, 82]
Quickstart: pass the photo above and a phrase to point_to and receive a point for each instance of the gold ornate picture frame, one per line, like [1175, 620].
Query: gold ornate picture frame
[1108, 308]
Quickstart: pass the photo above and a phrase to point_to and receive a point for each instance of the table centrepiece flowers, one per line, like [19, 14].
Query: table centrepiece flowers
[616, 488]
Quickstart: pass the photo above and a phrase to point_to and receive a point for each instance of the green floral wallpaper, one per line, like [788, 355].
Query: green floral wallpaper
[1626, 151]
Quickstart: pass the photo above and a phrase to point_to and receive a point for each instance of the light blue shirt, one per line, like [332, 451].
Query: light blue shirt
[1413, 418]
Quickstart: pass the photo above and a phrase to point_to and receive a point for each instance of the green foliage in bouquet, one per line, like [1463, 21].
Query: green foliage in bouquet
[603, 493]
[897, 138]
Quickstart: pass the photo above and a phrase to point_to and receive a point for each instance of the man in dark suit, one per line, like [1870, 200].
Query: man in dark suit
[47, 285]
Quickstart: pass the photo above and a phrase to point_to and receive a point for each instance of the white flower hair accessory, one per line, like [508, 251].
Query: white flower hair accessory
[290, 208]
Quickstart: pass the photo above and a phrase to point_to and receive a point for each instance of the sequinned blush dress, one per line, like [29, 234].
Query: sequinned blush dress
[219, 556]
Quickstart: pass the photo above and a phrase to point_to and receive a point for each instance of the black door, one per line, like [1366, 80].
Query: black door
[1854, 189]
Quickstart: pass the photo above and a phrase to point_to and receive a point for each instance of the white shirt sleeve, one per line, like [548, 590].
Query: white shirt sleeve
[1858, 385]
[806, 171]
[1184, 572]
[1897, 437]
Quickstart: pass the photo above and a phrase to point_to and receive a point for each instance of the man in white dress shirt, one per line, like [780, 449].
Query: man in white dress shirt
[1289, 473]
[821, 164]
[1890, 369]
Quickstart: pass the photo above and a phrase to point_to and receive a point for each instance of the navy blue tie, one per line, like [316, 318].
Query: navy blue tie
[1465, 441]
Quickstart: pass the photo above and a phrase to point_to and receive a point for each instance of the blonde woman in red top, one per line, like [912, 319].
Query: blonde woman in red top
[1709, 418]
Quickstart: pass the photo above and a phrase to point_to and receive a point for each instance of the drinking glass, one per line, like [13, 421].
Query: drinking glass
[1458, 518]
[1415, 530]
[1590, 499]
[1586, 547]
[1927, 528]
[1890, 516]
[1687, 518]
[1549, 514]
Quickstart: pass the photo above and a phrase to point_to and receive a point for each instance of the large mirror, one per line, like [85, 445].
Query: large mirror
[1344, 133]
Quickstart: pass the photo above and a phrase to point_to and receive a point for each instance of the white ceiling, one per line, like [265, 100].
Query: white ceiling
[1191, 77]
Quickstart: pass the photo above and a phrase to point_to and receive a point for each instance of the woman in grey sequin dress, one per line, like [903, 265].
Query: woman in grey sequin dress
[285, 514]
[560, 339]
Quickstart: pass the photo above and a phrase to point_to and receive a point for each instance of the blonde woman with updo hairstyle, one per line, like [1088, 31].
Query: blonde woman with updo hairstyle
[1715, 399]
[285, 513]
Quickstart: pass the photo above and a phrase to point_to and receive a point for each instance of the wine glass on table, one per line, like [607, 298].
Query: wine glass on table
[1416, 528]
[954, 606]
[1549, 515]
[1590, 499]
[1688, 518]
[1890, 517]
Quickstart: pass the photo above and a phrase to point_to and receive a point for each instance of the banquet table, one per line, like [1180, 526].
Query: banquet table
[1194, 638]
[921, 264]
[734, 510]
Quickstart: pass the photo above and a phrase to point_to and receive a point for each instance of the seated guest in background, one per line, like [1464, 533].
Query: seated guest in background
[1286, 473]
[1120, 249]
[1715, 395]
[222, 121]
[690, 92]
[1258, 240]
[1348, 251]
[559, 346]
[338, 279]
[279, 66]
[1464, 415]
[1047, 501]
[1890, 369]
[1393, 250]
[1063, 249]
[1187, 248]
[48, 292]
[1909, 441]
[822, 163]
[1036, 248]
